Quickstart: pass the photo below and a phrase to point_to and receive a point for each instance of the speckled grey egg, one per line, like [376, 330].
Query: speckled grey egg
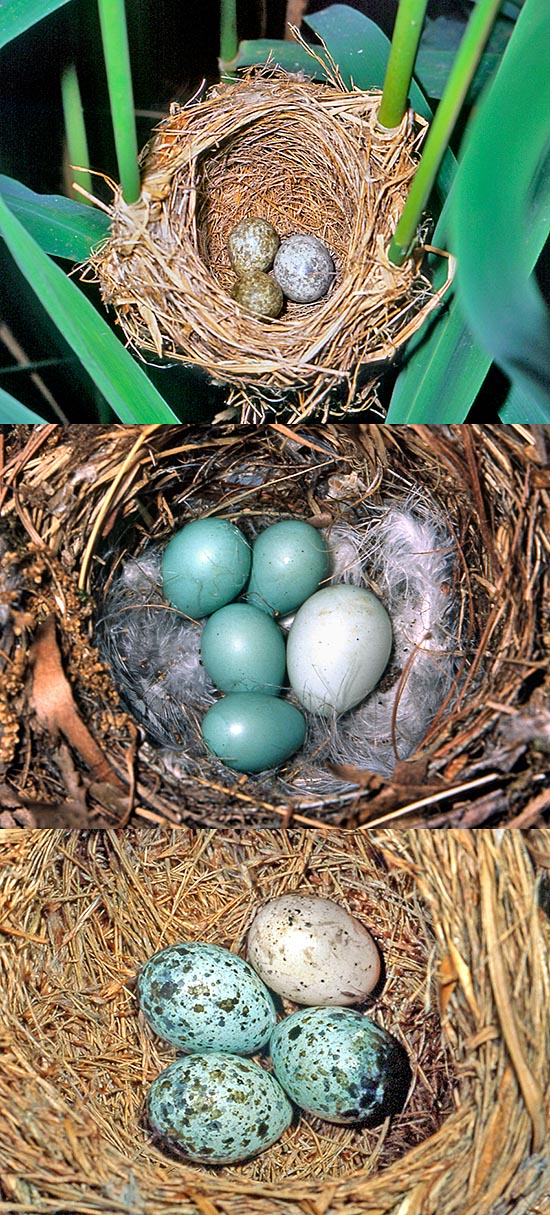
[252, 245]
[201, 997]
[340, 1065]
[259, 293]
[313, 951]
[303, 268]
[218, 1108]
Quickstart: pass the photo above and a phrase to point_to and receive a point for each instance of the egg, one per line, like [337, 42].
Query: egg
[252, 245]
[338, 648]
[289, 560]
[339, 1065]
[303, 268]
[218, 1108]
[201, 997]
[259, 293]
[243, 650]
[252, 731]
[313, 951]
[205, 566]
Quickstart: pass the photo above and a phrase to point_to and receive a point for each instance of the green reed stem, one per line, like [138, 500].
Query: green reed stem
[114, 34]
[75, 131]
[229, 42]
[468, 55]
[404, 45]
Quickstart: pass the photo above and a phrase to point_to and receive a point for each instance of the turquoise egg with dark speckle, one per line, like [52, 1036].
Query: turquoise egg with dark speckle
[340, 1065]
[218, 1108]
[201, 997]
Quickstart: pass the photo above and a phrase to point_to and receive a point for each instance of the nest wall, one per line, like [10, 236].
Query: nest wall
[78, 501]
[466, 989]
[309, 158]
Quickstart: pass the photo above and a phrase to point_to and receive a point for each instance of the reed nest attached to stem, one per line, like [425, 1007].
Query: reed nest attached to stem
[78, 502]
[308, 158]
[466, 989]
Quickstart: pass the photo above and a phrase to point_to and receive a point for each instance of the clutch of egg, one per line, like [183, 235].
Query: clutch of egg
[338, 645]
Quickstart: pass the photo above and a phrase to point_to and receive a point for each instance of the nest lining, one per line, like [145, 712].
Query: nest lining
[402, 551]
[466, 989]
[307, 157]
[84, 499]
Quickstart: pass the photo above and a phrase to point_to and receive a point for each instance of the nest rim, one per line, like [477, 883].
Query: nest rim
[165, 271]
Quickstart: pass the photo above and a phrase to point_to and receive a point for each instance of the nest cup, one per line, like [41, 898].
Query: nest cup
[90, 502]
[308, 158]
[465, 989]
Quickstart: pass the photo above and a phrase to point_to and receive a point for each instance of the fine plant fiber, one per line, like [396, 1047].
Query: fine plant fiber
[81, 504]
[402, 549]
[466, 989]
[293, 152]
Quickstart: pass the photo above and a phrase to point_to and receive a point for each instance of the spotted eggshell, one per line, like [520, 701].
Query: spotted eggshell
[201, 997]
[218, 1108]
[313, 951]
[339, 1065]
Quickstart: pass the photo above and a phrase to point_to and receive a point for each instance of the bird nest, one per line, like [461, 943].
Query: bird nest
[458, 918]
[308, 158]
[84, 507]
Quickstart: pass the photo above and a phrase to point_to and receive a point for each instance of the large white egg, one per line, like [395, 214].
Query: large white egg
[338, 648]
[313, 951]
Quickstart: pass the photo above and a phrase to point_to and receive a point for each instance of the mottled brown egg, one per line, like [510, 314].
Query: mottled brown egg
[259, 293]
[252, 245]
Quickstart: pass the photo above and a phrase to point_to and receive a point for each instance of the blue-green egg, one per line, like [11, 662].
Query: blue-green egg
[201, 997]
[205, 566]
[243, 650]
[218, 1108]
[340, 1065]
[251, 731]
[289, 560]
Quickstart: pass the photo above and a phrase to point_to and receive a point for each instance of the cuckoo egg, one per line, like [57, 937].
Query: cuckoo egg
[259, 293]
[201, 997]
[243, 650]
[205, 566]
[303, 268]
[289, 560]
[311, 950]
[252, 731]
[252, 245]
[218, 1108]
[339, 1065]
[338, 648]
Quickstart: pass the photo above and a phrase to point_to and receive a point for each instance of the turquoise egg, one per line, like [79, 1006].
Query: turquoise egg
[251, 731]
[243, 650]
[289, 560]
[202, 997]
[340, 1065]
[218, 1108]
[204, 566]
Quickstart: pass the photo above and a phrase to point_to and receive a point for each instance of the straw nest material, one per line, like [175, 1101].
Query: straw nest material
[81, 502]
[309, 158]
[466, 989]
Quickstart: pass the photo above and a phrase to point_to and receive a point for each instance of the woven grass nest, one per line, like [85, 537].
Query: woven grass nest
[308, 158]
[466, 989]
[81, 504]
